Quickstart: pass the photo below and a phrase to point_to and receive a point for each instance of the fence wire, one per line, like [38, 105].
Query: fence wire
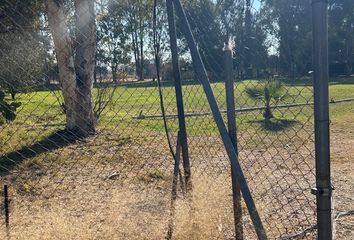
[115, 182]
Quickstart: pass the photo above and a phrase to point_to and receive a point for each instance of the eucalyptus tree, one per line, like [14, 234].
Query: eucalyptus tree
[159, 36]
[113, 46]
[341, 33]
[21, 62]
[21, 50]
[246, 26]
[231, 19]
[204, 19]
[136, 17]
[76, 64]
[291, 21]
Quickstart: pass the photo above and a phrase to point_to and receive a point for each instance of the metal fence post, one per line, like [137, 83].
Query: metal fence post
[231, 123]
[229, 147]
[323, 190]
[179, 94]
[7, 211]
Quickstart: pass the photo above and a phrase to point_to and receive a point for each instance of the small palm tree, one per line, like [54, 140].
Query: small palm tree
[267, 91]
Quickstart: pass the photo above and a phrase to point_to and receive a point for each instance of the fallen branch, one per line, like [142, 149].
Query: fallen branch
[343, 214]
[240, 110]
[313, 227]
[299, 234]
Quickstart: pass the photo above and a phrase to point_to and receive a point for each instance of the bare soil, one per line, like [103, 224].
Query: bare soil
[110, 187]
[342, 136]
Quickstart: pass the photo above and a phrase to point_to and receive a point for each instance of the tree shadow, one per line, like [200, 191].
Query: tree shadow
[153, 84]
[341, 80]
[275, 124]
[308, 81]
[55, 141]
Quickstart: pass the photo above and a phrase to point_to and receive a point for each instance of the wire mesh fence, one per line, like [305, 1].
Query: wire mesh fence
[89, 128]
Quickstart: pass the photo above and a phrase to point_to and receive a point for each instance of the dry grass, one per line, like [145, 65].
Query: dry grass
[343, 168]
[109, 187]
[122, 209]
[123, 196]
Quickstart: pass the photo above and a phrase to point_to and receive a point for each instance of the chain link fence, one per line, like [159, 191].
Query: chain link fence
[122, 181]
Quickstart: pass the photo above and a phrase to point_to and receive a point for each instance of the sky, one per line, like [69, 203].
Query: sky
[256, 3]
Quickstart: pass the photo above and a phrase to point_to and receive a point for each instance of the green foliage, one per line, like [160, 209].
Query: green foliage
[21, 61]
[8, 111]
[134, 18]
[112, 42]
[268, 91]
[19, 15]
[341, 33]
[289, 22]
[208, 36]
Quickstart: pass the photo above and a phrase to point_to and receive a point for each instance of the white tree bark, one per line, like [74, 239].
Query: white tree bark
[76, 74]
[85, 63]
[65, 57]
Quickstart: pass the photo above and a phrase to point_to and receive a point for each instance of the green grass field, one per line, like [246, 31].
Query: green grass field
[132, 99]
[40, 108]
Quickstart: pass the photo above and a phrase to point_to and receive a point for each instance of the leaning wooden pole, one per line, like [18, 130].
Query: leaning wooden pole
[229, 147]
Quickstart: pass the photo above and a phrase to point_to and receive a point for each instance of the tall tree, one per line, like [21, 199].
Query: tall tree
[137, 15]
[159, 37]
[292, 19]
[247, 40]
[247, 27]
[113, 46]
[19, 15]
[76, 71]
[341, 33]
[21, 61]
[203, 16]
[21, 51]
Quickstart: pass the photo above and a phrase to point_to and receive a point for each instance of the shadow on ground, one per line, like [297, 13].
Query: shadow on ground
[55, 141]
[275, 124]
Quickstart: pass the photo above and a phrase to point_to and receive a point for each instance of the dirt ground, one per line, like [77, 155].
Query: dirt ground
[127, 194]
[342, 136]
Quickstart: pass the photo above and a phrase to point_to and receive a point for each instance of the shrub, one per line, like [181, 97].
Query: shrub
[8, 111]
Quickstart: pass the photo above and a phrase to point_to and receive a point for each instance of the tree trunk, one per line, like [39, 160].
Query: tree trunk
[349, 50]
[141, 60]
[114, 68]
[76, 75]
[13, 95]
[65, 57]
[13, 92]
[247, 39]
[136, 51]
[141, 55]
[85, 65]
[268, 111]
[114, 72]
